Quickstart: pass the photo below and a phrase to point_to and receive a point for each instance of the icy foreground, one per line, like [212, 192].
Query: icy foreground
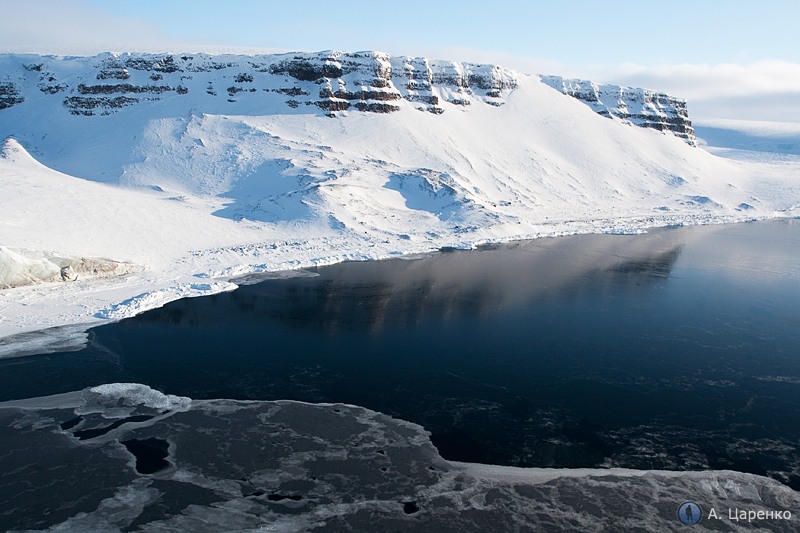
[123, 456]
[192, 170]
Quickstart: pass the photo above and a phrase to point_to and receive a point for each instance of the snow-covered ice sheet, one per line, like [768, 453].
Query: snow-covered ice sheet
[122, 456]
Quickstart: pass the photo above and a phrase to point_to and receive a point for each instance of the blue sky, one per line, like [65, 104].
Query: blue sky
[648, 32]
[736, 59]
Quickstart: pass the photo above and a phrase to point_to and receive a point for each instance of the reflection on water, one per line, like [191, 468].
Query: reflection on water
[447, 286]
[676, 349]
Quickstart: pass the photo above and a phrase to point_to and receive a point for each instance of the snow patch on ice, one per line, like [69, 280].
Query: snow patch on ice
[68, 338]
[136, 394]
[158, 298]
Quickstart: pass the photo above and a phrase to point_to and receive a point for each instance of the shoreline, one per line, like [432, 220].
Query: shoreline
[49, 310]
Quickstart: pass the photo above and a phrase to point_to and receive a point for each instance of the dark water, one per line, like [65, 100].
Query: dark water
[679, 349]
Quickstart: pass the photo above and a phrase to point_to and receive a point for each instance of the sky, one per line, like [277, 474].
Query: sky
[728, 58]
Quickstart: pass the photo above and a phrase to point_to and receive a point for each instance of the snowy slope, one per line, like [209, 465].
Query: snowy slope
[319, 158]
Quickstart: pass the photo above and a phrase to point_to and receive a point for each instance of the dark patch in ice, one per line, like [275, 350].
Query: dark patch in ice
[175, 498]
[281, 497]
[294, 467]
[150, 454]
[69, 424]
[45, 479]
[410, 507]
[96, 432]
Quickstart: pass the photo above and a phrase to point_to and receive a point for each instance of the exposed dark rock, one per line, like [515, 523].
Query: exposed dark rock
[333, 105]
[83, 105]
[306, 70]
[9, 95]
[117, 73]
[366, 94]
[291, 91]
[642, 107]
[430, 99]
[459, 101]
[365, 81]
[376, 107]
[53, 89]
[164, 64]
[122, 88]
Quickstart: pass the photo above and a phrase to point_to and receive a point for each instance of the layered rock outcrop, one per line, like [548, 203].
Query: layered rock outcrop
[328, 82]
[642, 107]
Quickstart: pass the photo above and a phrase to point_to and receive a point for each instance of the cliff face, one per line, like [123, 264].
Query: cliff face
[323, 82]
[330, 81]
[642, 107]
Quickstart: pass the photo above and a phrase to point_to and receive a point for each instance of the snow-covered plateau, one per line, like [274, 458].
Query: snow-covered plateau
[128, 181]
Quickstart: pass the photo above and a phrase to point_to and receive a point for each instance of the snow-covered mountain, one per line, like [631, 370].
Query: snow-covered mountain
[201, 167]
[331, 81]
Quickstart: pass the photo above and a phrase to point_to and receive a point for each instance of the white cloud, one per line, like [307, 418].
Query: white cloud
[726, 79]
[762, 90]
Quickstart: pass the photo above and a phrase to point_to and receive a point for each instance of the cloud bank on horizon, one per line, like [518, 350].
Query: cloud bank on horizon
[733, 63]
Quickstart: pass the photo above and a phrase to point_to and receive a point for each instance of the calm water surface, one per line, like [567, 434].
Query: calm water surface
[677, 349]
